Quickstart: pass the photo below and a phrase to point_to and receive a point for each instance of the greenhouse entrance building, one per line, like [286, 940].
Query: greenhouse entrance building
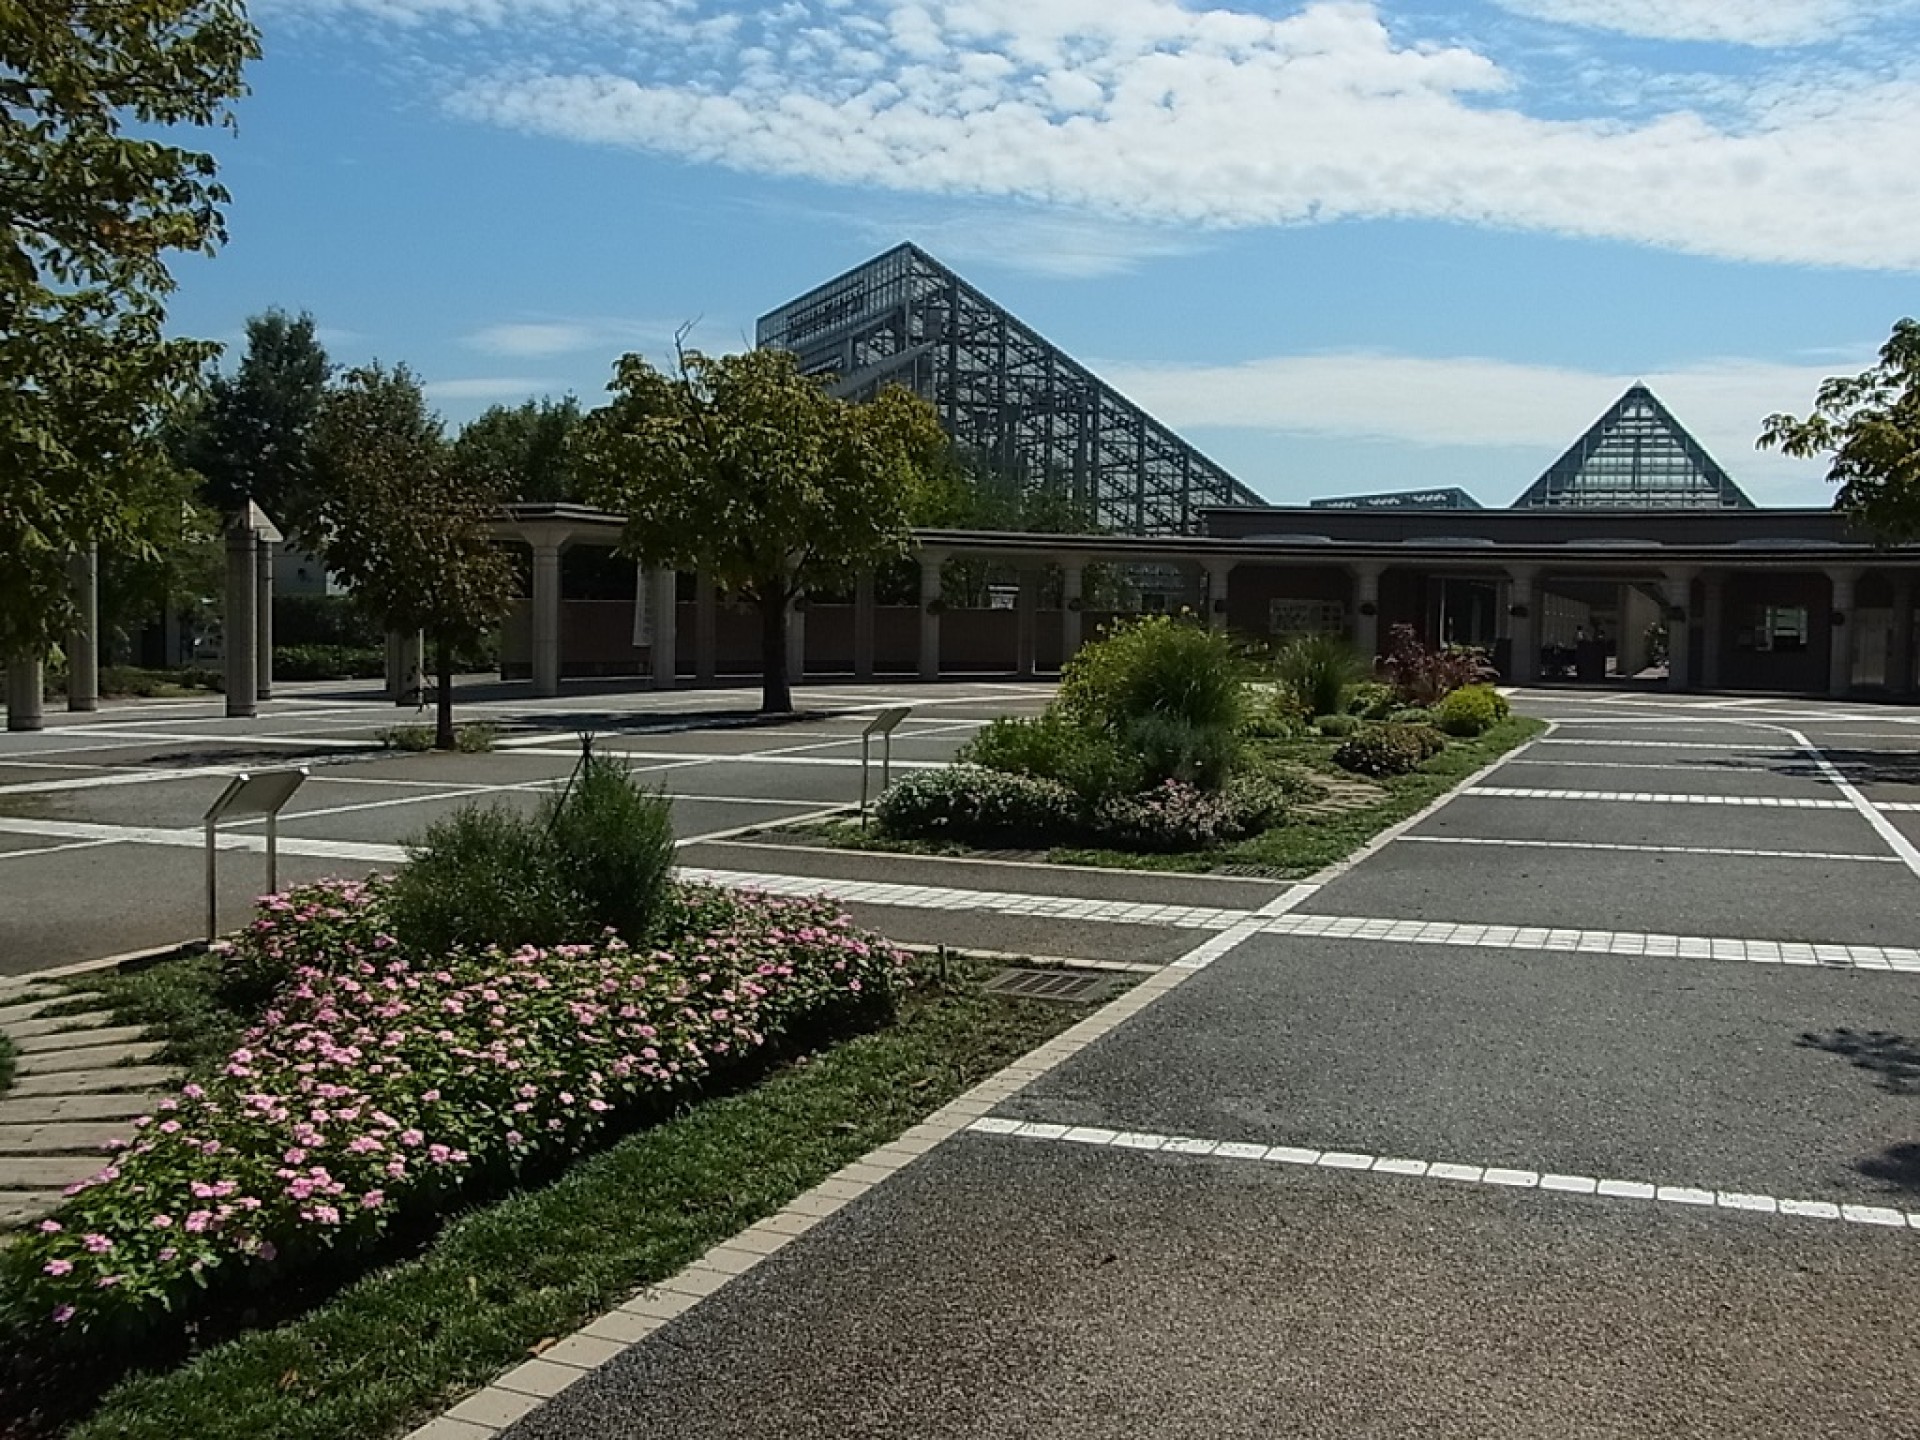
[1634, 558]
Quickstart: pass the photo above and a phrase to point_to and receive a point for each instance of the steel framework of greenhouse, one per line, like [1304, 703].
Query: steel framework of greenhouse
[1023, 406]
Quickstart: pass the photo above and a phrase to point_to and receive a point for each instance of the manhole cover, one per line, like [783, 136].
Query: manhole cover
[1075, 987]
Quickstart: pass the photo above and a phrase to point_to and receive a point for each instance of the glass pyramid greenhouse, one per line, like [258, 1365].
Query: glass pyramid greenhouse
[1636, 457]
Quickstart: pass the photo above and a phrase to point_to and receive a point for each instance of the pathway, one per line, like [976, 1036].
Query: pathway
[79, 1080]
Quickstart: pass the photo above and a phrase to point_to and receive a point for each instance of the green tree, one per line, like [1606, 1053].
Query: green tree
[251, 439]
[741, 468]
[403, 523]
[1870, 424]
[93, 201]
[526, 443]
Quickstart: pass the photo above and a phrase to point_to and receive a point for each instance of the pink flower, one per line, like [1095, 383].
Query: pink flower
[161, 1222]
[57, 1268]
[62, 1314]
[411, 1137]
[49, 1227]
[96, 1244]
[372, 1200]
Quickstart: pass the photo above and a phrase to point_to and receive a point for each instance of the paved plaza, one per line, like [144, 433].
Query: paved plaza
[1586, 1104]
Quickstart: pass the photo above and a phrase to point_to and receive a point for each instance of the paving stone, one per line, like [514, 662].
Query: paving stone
[540, 1377]
[34, 1023]
[88, 1137]
[42, 1172]
[21, 1207]
[583, 1352]
[447, 1428]
[89, 1082]
[495, 1407]
[93, 1057]
[51, 1039]
[55, 1108]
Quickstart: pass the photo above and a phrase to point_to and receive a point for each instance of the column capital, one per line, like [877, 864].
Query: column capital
[1844, 574]
[1523, 574]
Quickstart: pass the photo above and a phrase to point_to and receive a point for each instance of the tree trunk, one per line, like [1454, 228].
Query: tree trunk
[776, 694]
[443, 736]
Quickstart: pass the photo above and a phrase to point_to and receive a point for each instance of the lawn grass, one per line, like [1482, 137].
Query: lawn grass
[177, 1000]
[1299, 847]
[406, 1340]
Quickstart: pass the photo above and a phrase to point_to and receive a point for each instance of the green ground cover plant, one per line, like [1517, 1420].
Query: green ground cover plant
[1471, 710]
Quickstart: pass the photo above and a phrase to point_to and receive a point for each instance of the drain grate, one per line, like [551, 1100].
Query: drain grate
[1074, 987]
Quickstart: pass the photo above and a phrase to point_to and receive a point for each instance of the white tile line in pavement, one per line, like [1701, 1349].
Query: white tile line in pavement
[1883, 827]
[524, 1388]
[1651, 765]
[193, 838]
[1774, 749]
[1637, 944]
[1502, 1177]
[1648, 797]
[1650, 849]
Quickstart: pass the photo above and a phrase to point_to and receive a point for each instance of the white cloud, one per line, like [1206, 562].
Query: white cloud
[532, 339]
[1060, 247]
[1475, 402]
[1737, 22]
[1152, 113]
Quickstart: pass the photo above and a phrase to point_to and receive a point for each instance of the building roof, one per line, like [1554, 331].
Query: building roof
[1638, 457]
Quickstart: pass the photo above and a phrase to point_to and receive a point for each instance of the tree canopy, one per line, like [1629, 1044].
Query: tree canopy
[743, 469]
[402, 522]
[527, 444]
[251, 438]
[1870, 424]
[94, 202]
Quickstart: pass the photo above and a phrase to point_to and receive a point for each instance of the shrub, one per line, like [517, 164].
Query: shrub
[1315, 672]
[1411, 715]
[1472, 710]
[1174, 816]
[1336, 727]
[1089, 761]
[1382, 750]
[1424, 677]
[968, 802]
[1172, 748]
[136, 681]
[596, 857]
[1371, 700]
[381, 1090]
[1269, 724]
[611, 843]
[1155, 666]
[328, 662]
[332, 620]
[484, 875]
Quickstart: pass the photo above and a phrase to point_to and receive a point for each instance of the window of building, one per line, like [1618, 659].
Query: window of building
[1306, 617]
[1776, 628]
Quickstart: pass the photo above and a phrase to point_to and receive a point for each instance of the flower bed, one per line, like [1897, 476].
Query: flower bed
[378, 1087]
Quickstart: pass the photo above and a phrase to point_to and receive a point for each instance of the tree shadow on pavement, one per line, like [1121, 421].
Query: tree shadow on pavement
[1893, 1060]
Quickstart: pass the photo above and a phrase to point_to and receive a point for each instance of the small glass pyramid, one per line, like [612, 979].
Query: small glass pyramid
[1636, 457]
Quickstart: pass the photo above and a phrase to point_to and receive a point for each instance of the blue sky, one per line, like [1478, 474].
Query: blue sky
[1341, 245]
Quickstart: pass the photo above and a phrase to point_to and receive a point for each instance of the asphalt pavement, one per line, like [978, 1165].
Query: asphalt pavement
[1592, 1113]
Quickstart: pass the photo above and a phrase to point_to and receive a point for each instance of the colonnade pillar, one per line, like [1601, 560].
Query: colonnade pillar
[863, 622]
[1677, 587]
[1219, 573]
[663, 589]
[930, 614]
[1366, 612]
[1900, 662]
[1712, 624]
[1026, 642]
[706, 629]
[546, 617]
[1523, 625]
[25, 681]
[83, 641]
[241, 632]
[1072, 598]
[1840, 624]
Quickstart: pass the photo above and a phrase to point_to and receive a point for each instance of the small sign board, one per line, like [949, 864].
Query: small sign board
[882, 725]
[250, 795]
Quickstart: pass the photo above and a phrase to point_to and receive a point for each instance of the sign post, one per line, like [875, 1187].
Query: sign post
[248, 796]
[882, 725]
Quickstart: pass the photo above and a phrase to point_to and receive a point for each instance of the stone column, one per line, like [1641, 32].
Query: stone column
[1712, 630]
[930, 615]
[1523, 625]
[263, 618]
[664, 662]
[796, 640]
[1366, 612]
[25, 704]
[706, 629]
[1677, 588]
[1900, 661]
[1025, 615]
[242, 628]
[83, 641]
[1218, 573]
[863, 617]
[1840, 626]
[545, 632]
[1072, 597]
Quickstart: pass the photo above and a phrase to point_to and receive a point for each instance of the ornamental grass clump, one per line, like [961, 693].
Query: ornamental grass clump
[380, 1087]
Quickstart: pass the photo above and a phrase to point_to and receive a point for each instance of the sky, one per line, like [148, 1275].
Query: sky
[1341, 246]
